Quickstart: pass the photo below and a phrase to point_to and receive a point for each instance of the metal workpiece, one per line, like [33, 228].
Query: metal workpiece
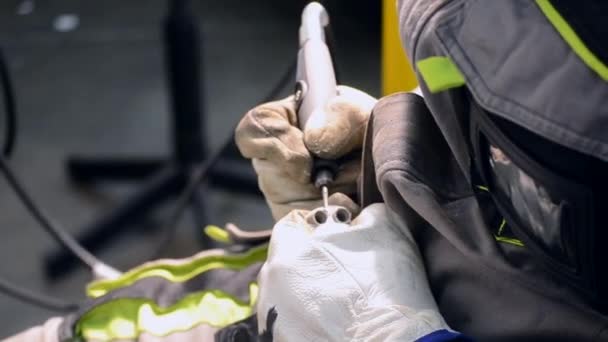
[329, 214]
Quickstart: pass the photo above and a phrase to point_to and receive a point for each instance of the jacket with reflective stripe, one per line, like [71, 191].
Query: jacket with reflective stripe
[516, 64]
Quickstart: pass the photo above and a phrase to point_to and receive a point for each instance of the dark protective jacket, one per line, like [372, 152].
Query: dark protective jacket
[487, 285]
[511, 58]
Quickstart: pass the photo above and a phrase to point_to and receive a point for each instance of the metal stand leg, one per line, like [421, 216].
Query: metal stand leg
[182, 42]
[86, 170]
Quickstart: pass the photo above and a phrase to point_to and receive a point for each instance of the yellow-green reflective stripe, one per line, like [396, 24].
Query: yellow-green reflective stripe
[180, 272]
[568, 34]
[483, 188]
[218, 234]
[128, 318]
[511, 241]
[440, 73]
[502, 227]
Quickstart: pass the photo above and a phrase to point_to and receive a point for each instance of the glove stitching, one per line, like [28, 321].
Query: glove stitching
[268, 134]
[415, 314]
[341, 265]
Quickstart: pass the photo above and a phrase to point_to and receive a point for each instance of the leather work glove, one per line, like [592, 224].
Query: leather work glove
[358, 281]
[282, 154]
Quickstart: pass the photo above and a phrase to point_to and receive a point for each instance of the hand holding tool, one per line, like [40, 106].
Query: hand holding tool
[297, 143]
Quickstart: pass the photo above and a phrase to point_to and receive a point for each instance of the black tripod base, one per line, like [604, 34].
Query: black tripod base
[230, 173]
[87, 170]
[165, 181]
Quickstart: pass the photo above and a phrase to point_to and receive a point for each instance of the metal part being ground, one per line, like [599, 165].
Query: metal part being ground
[329, 214]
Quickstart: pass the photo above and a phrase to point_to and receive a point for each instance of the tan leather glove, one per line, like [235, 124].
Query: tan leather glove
[281, 152]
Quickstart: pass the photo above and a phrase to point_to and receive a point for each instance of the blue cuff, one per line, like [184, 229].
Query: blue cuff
[444, 335]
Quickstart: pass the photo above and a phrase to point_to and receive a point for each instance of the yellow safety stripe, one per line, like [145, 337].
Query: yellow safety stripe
[128, 318]
[483, 188]
[440, 73]
[572, 39]
[511, 241]
[502, 227]
[180, 272]
[500, 238]
[218, 234]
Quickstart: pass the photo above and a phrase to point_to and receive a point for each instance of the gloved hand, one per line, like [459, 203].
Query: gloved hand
[362, 281]
[281, 152]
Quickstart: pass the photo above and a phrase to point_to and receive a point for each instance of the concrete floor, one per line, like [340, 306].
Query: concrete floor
[98, 88]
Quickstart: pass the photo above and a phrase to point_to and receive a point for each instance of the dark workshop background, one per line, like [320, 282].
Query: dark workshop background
[89, 80]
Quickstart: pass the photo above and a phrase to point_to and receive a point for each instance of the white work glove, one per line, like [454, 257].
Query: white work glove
[281, 152]
[362, 281]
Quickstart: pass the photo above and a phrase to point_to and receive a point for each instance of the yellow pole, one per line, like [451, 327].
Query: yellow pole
[397, 73]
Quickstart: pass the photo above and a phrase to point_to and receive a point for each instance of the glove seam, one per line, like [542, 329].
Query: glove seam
[338, 262]
[275, 137]
[418, 325]
[394, 307]
[362, 293]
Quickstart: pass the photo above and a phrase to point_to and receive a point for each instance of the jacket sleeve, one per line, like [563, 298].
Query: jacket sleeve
[49, 332]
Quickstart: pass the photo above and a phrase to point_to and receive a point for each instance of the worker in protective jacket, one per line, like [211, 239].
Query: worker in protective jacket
[477, 208]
